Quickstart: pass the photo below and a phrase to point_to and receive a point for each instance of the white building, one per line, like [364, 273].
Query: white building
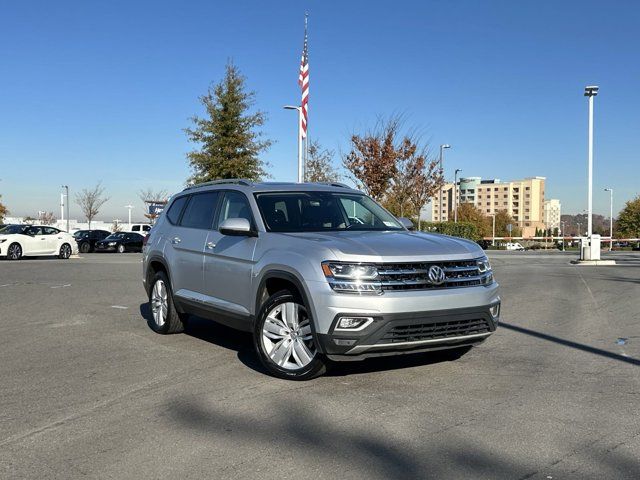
[552, 213]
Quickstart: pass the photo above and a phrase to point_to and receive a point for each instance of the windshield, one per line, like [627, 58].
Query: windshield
[323, 212]
[115, 236]
[13, 229]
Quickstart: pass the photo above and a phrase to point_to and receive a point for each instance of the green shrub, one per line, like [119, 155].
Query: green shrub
[460, 229]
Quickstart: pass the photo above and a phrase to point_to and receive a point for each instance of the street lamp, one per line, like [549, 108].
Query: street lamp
[442, 147]
[493, 238]
[455, 195]
[590, 92]
[66, 187]
[300, 167]
[579, 231]
[610, 190]
[129, 207]
[562, 235]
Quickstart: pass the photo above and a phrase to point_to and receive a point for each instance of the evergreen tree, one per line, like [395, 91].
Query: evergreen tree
[628, 223]
[229, 143]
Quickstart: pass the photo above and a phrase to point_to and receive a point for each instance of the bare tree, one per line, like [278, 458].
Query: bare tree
[90, 201]
[47, 218]
[4, 211]
[148, 195]
[372, 159]
[319, 166]
[426, 180]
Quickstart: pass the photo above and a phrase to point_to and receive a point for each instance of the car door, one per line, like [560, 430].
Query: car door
[135, 242]
[186, 244]
[35, 241]
[228, 260]
[54, 239]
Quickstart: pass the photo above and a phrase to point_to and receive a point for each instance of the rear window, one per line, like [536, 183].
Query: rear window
[200, 210]
[173, 214]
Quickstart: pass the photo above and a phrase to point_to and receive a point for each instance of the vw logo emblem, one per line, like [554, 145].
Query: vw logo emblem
[436, 275]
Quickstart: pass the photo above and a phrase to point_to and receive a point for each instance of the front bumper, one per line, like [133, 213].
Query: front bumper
[391, 334]
[104, 249]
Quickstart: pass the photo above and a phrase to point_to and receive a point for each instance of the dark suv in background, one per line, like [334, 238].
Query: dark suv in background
[87, 239]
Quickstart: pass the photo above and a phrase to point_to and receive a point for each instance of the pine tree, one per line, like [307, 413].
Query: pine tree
[229, 143]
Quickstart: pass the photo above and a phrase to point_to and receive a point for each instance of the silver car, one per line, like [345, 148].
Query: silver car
[316, 272]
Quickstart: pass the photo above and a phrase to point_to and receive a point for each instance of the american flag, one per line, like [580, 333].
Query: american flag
[303, 81]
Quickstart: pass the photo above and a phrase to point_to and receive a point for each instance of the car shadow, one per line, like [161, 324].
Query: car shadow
[242, 343]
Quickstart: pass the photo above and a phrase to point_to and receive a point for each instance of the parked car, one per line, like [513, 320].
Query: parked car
[87, 239]
[316, 272]
[120, 242]
[17, 241]
[141, 228]
[514, 246]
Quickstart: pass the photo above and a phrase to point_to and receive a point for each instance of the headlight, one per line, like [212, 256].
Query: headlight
[112, 244]
[484, 268]
[352, 277]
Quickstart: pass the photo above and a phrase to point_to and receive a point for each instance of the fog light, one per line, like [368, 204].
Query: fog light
[353, 324]
[344, 343]
[495, 310]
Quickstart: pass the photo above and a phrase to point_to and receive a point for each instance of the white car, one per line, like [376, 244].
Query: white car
[515, 246]
[17, 241]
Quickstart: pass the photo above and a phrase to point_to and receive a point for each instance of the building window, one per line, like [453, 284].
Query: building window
[527, 188]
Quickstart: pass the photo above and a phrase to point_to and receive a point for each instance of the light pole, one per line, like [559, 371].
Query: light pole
[300, 166]
[610, 190]
[493, 236]
[562, 235]
[579, 231]
[455, 195]
[590, 92]
[442, 147]
[66, 187]
[129, 207]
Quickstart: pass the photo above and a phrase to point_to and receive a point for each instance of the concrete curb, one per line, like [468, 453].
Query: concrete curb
[593, 263]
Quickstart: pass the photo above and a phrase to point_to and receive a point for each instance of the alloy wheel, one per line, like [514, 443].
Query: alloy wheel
[287, 338]
[15, 252]
[159, 303]
[65, 251]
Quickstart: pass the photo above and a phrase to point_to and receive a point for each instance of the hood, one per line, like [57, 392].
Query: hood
[399, 246]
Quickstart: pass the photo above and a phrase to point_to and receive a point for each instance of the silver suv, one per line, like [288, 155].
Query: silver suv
[316, 272]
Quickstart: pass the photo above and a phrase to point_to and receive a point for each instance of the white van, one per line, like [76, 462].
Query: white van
[515, 246]
[141, 228]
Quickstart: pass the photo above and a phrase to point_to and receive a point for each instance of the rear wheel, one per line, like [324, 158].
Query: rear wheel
[164, 316]
[14, 252]
[284, 339]
[85, 247]
[65, 251]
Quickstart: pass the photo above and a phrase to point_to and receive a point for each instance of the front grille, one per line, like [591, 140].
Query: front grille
[415, 276]
[439, 330]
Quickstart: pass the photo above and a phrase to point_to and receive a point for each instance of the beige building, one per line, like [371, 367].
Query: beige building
[552, 213]
[522, 199]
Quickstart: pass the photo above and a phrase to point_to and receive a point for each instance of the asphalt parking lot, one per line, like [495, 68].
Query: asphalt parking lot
[87, 390]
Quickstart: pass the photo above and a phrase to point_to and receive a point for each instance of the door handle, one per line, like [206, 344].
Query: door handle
[211, 245]
[176, 240]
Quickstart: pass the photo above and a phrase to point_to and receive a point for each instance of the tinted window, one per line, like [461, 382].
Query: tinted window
[235, 205]
[50, 231]
[200, 210]
[146, 228]
[136, 228]
[173, 214]
[34, 231]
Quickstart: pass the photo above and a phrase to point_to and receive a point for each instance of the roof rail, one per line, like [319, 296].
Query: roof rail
[224, 181]
[334, 184]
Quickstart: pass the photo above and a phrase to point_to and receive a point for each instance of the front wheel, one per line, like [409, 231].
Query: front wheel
[120, 248]
[14, 252]
[284, 339]
[85, 247]
[65, 251]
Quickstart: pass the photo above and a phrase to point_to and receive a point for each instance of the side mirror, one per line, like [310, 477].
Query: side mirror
[406, 223]
[237, 227]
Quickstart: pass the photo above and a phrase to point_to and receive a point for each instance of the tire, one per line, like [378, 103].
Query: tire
[165, 319]
[65, 251]
[14, 252]
[284, 339]
[120, 248]
[85, 247]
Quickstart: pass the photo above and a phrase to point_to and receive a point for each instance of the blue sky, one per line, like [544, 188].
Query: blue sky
[100, 91]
